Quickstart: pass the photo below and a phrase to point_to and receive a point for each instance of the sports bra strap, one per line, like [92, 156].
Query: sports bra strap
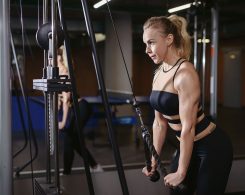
[183, 60]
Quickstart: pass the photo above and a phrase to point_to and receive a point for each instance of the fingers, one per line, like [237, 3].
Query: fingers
[145, 171]
[167, 183]
[153, 163]
[148, 173]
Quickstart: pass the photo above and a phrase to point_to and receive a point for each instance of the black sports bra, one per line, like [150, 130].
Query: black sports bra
[167, 103]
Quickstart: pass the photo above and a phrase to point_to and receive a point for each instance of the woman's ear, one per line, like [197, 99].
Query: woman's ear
[170, 39]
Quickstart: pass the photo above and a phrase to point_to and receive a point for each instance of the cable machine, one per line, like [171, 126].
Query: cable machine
[198, 12]
[50, 36]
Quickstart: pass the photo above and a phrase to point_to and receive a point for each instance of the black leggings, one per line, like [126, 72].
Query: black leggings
[209, 167]
[71, 138]
[71, 144]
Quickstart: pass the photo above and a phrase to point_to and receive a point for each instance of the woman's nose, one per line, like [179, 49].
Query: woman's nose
[147, 50]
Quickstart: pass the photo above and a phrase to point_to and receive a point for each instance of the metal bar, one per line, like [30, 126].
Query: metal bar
[203, 65]
[214, 63]
[54, 95]
[75, 98]
[104, 98]
[47, 135]
[195, 43]
[6, 184]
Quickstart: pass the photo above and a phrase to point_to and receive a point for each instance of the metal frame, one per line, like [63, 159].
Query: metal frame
[51, 84]
[5, 105]
[104, 97]
[214, 62]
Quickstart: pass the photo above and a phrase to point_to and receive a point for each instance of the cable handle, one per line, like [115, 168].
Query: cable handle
[163, 170]
[155, 176]
[149, 148]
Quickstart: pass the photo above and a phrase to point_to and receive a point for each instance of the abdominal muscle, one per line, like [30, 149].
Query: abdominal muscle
[175, 127]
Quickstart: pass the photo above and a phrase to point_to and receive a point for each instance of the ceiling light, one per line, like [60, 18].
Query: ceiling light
[203, 40]
[232, 56]
[100, 3]
[99, 37]
[185, 6]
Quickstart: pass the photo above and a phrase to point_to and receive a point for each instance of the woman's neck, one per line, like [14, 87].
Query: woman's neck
[171, 57]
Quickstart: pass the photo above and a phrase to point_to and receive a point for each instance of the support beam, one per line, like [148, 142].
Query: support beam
[195, 44]
[5, 97]
[203, 65]
[214, 63]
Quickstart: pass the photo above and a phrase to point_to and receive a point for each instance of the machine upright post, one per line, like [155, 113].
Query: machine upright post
[195, 43]
[47, 135]
[104, 97]
[6, 184]
[203, 65]
[214, 63]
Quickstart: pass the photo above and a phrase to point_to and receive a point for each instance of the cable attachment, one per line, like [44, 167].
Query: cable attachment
[149, 148]
[144, 130]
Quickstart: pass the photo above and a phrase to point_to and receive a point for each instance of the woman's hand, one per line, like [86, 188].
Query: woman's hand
[173, 179]
[153, 168]
[148, 173]
[61, 125]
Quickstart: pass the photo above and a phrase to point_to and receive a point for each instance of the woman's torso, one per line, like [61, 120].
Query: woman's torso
[164, 98]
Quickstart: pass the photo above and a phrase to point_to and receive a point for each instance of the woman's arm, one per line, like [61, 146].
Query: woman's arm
[187, 85]
[159, 134]
[189, 93]
[65, 107]
[159, 128]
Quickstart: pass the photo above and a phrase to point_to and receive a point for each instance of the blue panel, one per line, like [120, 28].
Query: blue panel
[36, 114]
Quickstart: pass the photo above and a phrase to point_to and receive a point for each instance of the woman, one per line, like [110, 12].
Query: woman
[203, 160]
[68, 125]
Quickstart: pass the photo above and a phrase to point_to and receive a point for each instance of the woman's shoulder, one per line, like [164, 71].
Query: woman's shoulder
[187, 65]
[187, 68]
[186, 74]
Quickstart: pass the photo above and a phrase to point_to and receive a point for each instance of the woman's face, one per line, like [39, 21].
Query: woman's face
[156, 44]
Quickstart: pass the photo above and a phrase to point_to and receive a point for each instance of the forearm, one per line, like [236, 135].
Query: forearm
[159, 135]
[65, 108]
[186, 148]
[64, 116]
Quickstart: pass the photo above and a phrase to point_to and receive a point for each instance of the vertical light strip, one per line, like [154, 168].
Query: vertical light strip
[100, 3]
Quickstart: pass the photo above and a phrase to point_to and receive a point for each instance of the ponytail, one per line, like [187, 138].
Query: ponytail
[184, 45]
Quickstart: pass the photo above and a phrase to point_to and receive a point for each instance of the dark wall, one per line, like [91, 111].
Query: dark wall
[85, 72]
[143, 70]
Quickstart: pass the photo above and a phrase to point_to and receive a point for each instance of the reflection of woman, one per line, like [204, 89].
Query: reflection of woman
[68, 124]
[64, 97]
[203, 160]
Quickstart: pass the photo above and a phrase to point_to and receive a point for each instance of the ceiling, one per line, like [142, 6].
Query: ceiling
[231, 14]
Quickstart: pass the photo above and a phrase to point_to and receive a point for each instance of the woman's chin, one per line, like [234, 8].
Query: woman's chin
[157, 62]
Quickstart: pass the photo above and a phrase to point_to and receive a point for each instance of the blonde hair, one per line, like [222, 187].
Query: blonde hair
[175, 25]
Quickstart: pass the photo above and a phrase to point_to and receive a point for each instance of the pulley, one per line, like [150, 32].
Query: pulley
[44, 33]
